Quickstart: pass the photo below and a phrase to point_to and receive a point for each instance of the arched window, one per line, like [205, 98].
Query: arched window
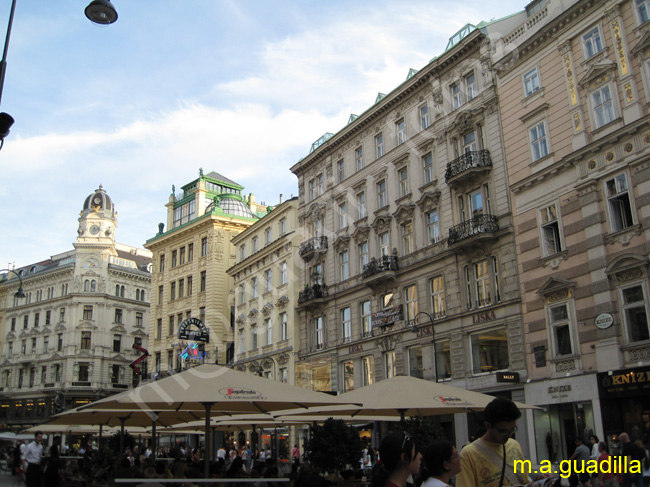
[86, 285]
[117, 290]
[142, 295]
[137, 294]
[93, 286]
[122, 292]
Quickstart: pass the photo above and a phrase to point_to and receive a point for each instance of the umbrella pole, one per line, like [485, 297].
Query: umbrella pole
[208, 441]
[122, 420]
[99, 445]
[153, 439]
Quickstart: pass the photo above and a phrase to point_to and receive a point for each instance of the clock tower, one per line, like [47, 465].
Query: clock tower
[98, 219]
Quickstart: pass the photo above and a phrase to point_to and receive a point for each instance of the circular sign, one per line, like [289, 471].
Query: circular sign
[604, 321]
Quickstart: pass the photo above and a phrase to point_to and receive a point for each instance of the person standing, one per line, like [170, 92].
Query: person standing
[51, 476]
[33, 456]
[489, 460]
[580, 458]
[399, 460]
[634, 452]
[441, 462]
[605, 475]
[295, 454]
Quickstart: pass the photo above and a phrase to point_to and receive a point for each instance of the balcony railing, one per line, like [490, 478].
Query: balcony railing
[313, 292]
[479, 224]
[314, 244]
[466, 162]
[383, 264]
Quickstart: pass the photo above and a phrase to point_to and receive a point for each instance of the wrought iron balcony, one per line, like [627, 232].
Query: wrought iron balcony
[314, 292]
[479, 225]
[468, 164]
[313, 246]
[383, 264]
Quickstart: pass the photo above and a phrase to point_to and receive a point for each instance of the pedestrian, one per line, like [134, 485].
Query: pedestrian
[441, 463]
[580, 458]
[52, 475]
[399, 460]
[295, 454]
[605, 474]
[632, 477]
[489, 460]
[33, 456]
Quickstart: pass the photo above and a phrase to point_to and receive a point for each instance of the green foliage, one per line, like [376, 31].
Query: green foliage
[423, 429]
[114, 443]
[334, 445]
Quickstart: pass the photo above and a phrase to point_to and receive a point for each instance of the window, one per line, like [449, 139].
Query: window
[619, 204]
[635, 313]
[483, 286]
[538, 142]
[37, 317]
[117, 343]
[159, 328]
[88, 312]
[174, 258]
[433, 226]
[348, 375]
[172, 291]
[268, 279]
[254, 287]
[471, 88]
[368, 364]
[560, 329]
[344, 265]
[384, 244]
[190, 252]
[203, 283]
[269, 331]
[283, 326]
[25, 322]
[416, 368]
[181, 256]
[13, 324]
[184, 213]
[59, 342]
[361, 205]
[312, 189]
[284, 375]
[319, 185]
[443, 360]
[643, 10]
[346, 325]
[34, 345]
[268, 236]
[456, 95]
[366, 322]
[115, 374]
[531, 82]
[181, 288]
[382, 197]
[400, 129]
[204, 246]
[85, 340]
[242, 341]
[46, 343]
[242, 252]
[340, 170]
[592, 43]
[437, 290]
[343, 215]
[319, 338]
[407, 237]
[427, 168]
[362, 249]
[139, 319]
[403, 178]
[162, 263]
[390, 367]
[242, 293]
[43, 374]
[603, 107]
[489, 350]
[283, 273]
[358, 157]
[469, 143]
[118, 315]
[410, 304]
[160, 294]
[379, 146]
[424, 117]
[551, 241]
[170, 328]
[283, 226]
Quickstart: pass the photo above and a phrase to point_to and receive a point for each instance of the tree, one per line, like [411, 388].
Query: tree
[333, 446]
[423, 429]
[114, 443]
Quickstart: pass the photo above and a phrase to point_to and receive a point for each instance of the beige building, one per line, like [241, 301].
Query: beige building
[266, 279]
[409, 256]
[574, 81]
[192, 318]
[69, 341]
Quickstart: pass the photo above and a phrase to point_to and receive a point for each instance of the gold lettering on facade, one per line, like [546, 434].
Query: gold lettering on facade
[620, 51]
[355, 348]
[569, 75]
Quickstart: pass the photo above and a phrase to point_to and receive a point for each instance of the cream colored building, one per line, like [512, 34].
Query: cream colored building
[574, 83]
[69, 342]
[409, 254]
[266, 285]
[189, 279]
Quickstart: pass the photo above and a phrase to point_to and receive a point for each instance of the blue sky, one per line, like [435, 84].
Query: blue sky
[238, 87]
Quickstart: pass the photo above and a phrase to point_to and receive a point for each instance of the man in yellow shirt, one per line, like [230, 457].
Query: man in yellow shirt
[481, 463]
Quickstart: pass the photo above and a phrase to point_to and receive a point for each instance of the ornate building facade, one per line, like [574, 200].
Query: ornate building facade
[574, 87]
[192, 317]
[409, 254]
[69, 342]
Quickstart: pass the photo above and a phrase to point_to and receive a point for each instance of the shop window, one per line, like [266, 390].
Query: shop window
[489, 350]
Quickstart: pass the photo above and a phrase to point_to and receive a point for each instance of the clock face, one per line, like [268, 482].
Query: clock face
[94, 229]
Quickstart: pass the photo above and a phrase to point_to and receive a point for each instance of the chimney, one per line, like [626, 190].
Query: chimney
[280, 198]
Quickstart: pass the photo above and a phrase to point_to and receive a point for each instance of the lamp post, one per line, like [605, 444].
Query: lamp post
[433, 337]
[20, 293]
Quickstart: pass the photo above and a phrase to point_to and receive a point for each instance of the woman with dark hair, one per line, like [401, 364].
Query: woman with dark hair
[441, 462]
[399, 458]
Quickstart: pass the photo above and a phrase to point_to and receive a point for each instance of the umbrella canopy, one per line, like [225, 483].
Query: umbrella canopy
[223, 389]
[406, 396]
[82, 429]
[114, 417]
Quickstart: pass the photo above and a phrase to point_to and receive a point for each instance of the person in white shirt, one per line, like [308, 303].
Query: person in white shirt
[441, 461]
[221, 453]
[33, 455]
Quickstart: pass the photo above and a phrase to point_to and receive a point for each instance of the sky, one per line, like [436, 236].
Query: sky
[242, 88]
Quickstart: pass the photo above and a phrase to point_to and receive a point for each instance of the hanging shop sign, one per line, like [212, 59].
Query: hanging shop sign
[387, 316]
[604, 321]
[198, 334]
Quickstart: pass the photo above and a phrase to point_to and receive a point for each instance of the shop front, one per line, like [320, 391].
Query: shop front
[568, 410]
[625, 401]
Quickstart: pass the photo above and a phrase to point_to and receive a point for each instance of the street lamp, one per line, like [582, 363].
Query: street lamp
[433, 337]
[20, 293]
[101, 12]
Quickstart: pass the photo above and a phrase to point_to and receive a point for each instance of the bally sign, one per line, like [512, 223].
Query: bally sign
[195, 335]
[387, 316]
